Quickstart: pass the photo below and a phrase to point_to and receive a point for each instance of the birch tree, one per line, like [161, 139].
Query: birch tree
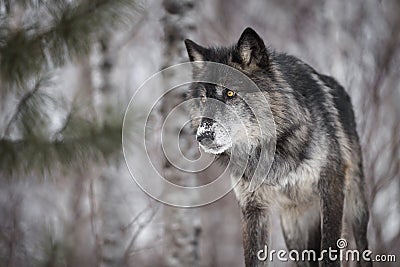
[182, 227]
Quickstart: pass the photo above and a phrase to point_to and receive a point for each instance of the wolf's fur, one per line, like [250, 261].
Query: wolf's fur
[316, 176]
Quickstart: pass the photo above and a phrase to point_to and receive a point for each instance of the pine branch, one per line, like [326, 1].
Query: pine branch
[81, 143]
[49, 34]
[57, 32]
[29, 111]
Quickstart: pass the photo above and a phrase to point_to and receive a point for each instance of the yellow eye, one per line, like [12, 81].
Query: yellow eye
[230, 93]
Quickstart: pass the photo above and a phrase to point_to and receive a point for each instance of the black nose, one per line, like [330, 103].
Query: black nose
[205, 138]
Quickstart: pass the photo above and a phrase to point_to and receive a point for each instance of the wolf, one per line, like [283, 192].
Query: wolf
[315, 177]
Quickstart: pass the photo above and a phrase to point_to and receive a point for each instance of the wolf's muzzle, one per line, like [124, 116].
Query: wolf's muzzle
[206, 138]
[205, 134]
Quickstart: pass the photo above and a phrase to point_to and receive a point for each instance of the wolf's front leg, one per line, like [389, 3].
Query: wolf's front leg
[255, 232]
[255, 220]
[332, 200]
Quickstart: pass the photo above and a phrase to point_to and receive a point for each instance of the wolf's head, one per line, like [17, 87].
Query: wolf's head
[231, 111]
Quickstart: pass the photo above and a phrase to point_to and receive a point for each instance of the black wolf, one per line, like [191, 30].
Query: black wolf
[316, 176]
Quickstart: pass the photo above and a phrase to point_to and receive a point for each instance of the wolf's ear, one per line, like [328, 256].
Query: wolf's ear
[195, 51]
[252, 48]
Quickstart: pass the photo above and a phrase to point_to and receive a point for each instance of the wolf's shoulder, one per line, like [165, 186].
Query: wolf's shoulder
[300, 77]
[298, 73]
[313, 88]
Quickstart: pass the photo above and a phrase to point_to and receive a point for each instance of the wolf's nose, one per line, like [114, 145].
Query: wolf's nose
[205, 138]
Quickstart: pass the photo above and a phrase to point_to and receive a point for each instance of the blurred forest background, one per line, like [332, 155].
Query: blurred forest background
[67, 71]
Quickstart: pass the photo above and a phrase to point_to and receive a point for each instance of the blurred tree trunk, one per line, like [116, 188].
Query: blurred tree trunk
[182, 228]
[107, 216]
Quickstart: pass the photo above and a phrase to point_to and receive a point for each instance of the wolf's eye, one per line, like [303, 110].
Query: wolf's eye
[230, 93]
